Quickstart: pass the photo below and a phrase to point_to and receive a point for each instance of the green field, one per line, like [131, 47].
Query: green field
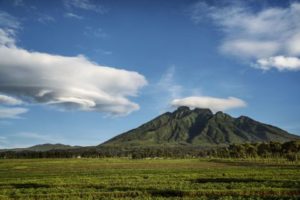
[148, 179]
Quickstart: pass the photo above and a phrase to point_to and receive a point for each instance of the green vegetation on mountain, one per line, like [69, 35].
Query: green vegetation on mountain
[199, 127]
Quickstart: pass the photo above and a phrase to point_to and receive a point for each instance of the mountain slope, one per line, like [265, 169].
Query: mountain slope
[199, 127]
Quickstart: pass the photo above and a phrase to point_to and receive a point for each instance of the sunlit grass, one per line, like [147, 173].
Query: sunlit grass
[148, 179]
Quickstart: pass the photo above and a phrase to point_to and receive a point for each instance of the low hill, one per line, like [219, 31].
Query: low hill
[44, 147]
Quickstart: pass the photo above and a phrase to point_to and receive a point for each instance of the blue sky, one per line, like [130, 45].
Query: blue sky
[80, 71]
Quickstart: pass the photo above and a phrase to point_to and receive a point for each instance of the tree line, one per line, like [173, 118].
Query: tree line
[289, 150]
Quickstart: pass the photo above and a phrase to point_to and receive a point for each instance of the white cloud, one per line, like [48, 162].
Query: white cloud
[293, 45]
[6, 38]
[69, 82]
[84, 4]
[255, 34]
[4, 99]
[214, 104]
[11, 113]
[249, 48]
[73, 15]
[279, 62]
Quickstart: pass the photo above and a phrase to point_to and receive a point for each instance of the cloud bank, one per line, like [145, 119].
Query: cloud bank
[67, 82]
[267, 34]
[214, 104]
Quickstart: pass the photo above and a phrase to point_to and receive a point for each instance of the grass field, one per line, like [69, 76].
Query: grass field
[148, 179]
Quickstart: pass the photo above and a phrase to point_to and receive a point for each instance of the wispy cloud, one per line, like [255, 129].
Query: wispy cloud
[169, 85]
[2, 138]
[8, 21]
[36, 136]
[73, 15]
[18, 2]
[165, 89]
[95, 32]
[255, 35]
[43, 18]
[4, 99]
[3, 142]
[104, 52]
[11, 113]
[27, 139]
[5, 123]
[84, 5]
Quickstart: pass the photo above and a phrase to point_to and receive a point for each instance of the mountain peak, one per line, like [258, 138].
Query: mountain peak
[184, 111]
[181, 111]
[188, 109]
[182, 108]
[222, 116]
[203, 110]
[242, 117]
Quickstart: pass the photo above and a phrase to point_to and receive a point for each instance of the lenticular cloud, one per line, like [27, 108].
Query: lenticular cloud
[215, 104]
[66, 82]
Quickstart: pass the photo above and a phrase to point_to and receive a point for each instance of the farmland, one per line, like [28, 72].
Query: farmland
[114, 178]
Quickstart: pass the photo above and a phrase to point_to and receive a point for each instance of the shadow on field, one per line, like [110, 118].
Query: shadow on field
[94, 186]
[272, 183]
[166, 193]
[262, 195]
[245, 163]
[29, 185]
[227, 180]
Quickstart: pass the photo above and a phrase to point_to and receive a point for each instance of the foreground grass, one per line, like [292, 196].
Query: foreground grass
[148, 179]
